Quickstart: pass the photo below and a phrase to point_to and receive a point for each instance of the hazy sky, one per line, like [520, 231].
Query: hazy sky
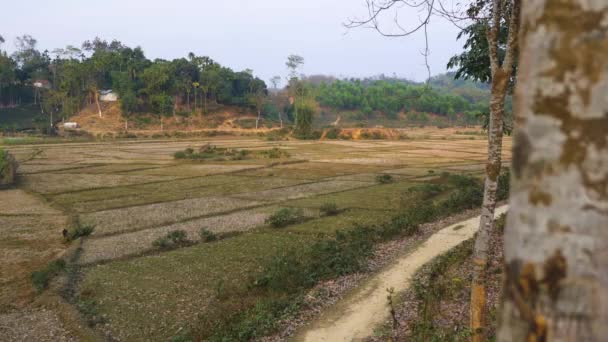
[255, 34]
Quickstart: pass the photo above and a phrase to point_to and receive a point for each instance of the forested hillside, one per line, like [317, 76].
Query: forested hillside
[38, 88]
[60, 83]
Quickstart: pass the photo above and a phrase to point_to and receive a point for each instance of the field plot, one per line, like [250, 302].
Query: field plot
[135, 193]
[30, 237]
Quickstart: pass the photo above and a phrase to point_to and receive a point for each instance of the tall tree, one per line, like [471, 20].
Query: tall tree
[501, 72]
[556, 240]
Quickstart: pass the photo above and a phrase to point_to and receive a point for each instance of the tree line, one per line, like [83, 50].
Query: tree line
[65, 80]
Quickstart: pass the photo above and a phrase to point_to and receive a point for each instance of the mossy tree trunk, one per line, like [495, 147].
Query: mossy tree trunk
[556, 240]
[501, 72]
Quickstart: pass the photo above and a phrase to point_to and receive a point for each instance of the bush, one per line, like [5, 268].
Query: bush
[41, 279]
[423, 192]
[384, 178]
[333, 133]
[79, 231]
[207, 235]
[180, 155]
[275, 153]
[504, 180]
[285, 216]
[8, 168]
[329, 209]
[173, 239]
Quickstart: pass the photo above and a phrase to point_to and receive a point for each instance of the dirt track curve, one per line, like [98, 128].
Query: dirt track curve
[355, 317]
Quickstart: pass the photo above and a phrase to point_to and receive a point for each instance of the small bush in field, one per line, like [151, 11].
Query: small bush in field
[285, 216]
[329, 209]
[173, 239]
[207, 235]
[384, 178]
[41, 279]
[275, 153]
[79, 231]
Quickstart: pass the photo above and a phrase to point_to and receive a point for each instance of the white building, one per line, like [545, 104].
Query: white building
[70, 125]
[108, 96]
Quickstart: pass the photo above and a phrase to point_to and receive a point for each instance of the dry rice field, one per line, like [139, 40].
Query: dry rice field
[133, 192]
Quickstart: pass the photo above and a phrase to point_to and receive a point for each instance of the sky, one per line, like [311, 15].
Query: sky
[241, 34]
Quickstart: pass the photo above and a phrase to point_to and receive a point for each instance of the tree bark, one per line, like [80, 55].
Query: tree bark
[556, 240]
[501, 73]
[96, 94]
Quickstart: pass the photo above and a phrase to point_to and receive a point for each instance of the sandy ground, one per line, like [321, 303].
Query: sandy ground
[358, 314]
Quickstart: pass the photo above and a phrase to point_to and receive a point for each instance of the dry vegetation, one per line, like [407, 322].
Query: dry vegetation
[134, 192]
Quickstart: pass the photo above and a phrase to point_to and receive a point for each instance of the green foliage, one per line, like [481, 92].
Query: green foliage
[384, 178]
[275, 153]
[422, 192]
[79, 231]
[504, 181]
[143, 86]
[285, 216]
[305, 109]
[210, 152]
[329, 209]
[431, 286]
[393, 96]
[172, 240]
[207, 235]
[41, 279]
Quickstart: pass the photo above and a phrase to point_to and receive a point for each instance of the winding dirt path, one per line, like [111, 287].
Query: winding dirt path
[355, 317]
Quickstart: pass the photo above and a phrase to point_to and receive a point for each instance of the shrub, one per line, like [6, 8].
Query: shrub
[285, 216]
[384, 178]
[275, 153]
[173, 239]
[333, 133]
[177, 236]
[180, 155]
[79, 231]
[329, 209]
[8, 168]
[502, 192]
[207, 235]
[41, 279]
[423, 192]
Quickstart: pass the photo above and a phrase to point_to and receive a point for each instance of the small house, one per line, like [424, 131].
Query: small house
[108, 96]
[70, 125]
[42, 84]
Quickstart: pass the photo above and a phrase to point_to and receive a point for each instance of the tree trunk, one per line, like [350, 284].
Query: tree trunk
[556, 240]
[96, 94]
[500, 80]
[257, 121]
[493, 166]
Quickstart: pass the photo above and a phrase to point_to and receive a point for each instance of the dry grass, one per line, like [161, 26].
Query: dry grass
[304, 190]
[28, 241]
[119, 246]
[135, 192]
[48, 183]
[146, 216]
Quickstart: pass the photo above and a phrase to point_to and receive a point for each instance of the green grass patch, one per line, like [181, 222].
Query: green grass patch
[42, 278]
[180, 285]
[285, 216]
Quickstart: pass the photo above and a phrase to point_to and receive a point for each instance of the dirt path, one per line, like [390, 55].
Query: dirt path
[355, 317]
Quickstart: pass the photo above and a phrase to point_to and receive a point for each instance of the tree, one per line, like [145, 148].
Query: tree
[556, 237]
[275, 80]
[294, 62]
[257, 98]
[501, 71]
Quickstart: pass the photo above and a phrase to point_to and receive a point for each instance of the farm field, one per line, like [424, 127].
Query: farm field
[135, 192]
